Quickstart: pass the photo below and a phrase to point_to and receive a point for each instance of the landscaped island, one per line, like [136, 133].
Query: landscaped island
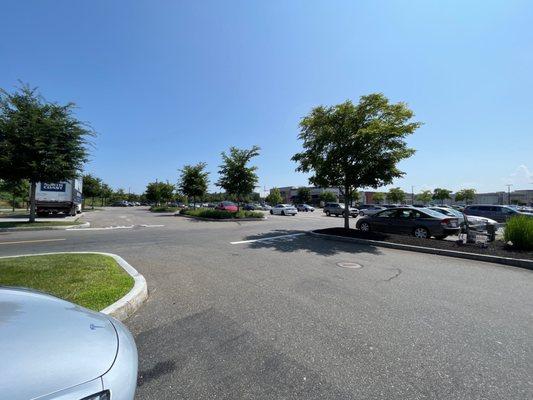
[91, 280]
[209, 213]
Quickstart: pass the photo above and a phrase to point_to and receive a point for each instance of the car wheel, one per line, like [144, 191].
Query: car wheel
[364, 227]
[421, 233]
[282, 212]
[328, 213]
[440, 237]
[271, 212]
[361, 214]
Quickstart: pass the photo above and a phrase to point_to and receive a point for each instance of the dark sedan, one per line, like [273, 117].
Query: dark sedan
[419, 222]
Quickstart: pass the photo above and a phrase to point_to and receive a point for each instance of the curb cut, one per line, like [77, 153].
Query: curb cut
[131, 301]
[515, 262]
[46, 228]
[221, 219]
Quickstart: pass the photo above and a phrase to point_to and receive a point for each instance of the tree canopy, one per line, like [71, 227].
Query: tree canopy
[466, 195]
[441, 194]
[193, 181]
[396, 195]
[236, 177]
[425, 196]
[159, 191]
[351, 146]
[40, 141]
[378, 197]
[327, 197]
[304, 195]
[274, 197]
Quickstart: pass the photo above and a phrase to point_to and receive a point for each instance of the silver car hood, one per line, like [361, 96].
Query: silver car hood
[48, 344]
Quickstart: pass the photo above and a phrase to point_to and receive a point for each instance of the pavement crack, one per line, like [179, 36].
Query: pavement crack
[396, 275]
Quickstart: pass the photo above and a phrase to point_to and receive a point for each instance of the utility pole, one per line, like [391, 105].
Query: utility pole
[509, 193]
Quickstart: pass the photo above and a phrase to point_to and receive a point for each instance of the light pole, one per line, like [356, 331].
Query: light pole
[412, 195]
[509, 193]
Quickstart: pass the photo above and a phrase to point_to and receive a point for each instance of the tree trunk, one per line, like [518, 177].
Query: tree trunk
[93, 202]
[346, 207]
[32, 201]
[13, 204]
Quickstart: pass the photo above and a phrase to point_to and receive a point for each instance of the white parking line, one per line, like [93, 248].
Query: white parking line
[101, 229]
[33, 241]
[268, 238]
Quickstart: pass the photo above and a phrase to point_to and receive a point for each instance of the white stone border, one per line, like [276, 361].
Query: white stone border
[125, 306]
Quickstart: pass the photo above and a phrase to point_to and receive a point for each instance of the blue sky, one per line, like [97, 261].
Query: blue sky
[168, 83]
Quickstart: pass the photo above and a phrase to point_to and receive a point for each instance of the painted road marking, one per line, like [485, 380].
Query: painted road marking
[269, 238]
[33, 241]
[101, 229]
[107, 228]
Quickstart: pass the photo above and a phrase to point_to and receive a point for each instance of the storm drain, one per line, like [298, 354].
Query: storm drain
[351, 265]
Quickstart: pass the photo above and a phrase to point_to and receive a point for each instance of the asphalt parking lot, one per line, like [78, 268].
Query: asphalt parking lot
[259, 310]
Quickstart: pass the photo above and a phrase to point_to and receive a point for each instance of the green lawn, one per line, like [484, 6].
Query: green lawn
[90, 280]
[37, 224]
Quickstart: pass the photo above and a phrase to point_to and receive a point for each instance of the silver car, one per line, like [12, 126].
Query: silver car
[55, 350]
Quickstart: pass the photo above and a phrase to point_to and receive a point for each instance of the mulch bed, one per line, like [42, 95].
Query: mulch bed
[496, 248]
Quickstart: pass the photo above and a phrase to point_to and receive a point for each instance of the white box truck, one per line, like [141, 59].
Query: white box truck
[60, 197]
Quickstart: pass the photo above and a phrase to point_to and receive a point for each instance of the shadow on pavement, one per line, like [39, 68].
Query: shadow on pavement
[303, 242]
[209, 355]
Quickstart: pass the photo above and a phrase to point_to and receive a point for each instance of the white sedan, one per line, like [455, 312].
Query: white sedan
[284, 209]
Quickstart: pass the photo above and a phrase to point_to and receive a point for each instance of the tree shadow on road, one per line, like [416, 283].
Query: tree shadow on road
[289, 241]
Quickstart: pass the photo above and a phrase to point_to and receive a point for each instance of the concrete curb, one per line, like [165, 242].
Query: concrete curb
[515, 262]
[221, 220]
[129, 303]
[46, 228]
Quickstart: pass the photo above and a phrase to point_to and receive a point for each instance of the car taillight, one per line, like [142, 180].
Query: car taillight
[448, 222]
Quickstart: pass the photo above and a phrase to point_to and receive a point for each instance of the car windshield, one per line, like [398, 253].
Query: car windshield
[228, 203]
[432, 213]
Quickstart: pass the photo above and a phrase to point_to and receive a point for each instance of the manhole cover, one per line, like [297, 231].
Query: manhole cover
[351, 265]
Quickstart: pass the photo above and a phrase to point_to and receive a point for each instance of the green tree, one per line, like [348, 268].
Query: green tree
[92, 187]
[159, 192]
[193, 181]
[327, 197]
[378, 197]
[274, 197]
[39, 141]
[236, 178]
[466, 195]
[304, 195]
[351, 146]
[396, 195]
[105, 193]
[425, 196]
[441, 194]
[18, 189]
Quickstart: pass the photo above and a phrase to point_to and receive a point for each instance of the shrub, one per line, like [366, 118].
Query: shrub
[163, 209]
[219, 214]
[519, 231]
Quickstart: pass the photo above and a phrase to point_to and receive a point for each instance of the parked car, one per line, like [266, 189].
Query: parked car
[250, 207]
[284, 209]
[305, 207]
[266, 207]
[338, 209]
[452, 212]
[54, 349]
[419, 222]
[120, 204]
[495, 212]
[227, 206]
[371, 209]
